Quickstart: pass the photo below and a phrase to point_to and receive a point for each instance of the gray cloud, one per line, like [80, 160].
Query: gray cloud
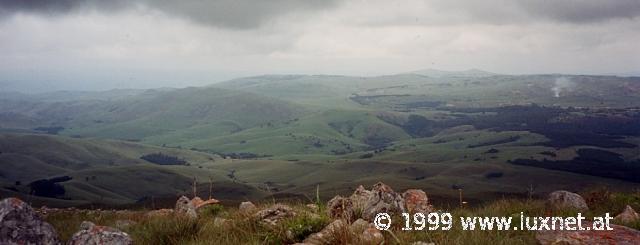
[582, 11]
[235, 14]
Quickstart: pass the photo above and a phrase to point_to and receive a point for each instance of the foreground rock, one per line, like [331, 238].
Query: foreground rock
[559, 200]
[620, 235]
[19, 224]
[627, 216]
[91, 234]
[274, 214]
[367, 203]
[359, 232]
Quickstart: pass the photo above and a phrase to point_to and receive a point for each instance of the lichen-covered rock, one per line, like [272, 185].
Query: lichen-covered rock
[383, 200]
[91, 234]
[20, 224]
[416, 201]
[620, 235]
[275, 214]
[627, 216]
[341, 208]
[247, 207]
[184, 206]
[558, 200]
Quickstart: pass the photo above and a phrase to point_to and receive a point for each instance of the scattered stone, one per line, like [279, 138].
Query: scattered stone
[247, 207]
[382, 200]
[275, 214]
[558, 200]
[416, 201]
[91, 234]
[341, 208]
[620, 235]
[20, 224]
[627, 216]
[184, 206]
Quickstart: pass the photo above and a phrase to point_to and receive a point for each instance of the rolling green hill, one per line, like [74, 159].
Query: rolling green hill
[105, 171]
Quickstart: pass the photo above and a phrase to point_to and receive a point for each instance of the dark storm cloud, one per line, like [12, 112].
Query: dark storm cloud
[240, 14]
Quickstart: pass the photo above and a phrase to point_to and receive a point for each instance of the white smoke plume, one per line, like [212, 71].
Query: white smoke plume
[562, 85]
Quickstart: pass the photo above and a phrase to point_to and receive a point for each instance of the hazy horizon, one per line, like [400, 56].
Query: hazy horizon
[102, 45]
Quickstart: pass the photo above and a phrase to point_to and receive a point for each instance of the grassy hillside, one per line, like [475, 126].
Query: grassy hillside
[104, 171]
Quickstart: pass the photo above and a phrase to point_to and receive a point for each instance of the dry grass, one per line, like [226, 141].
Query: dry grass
[242, 228]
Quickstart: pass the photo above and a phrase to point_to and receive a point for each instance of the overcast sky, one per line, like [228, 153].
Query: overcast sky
[102, 44]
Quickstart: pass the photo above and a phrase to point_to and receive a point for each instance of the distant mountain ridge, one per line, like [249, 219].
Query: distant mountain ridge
[463, 73]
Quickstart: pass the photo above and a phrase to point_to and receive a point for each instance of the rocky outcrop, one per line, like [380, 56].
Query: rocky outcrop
[381, 198]
[274, 214]
[20, 224]
[91, 234]
[620, 235]
[185, 207]
[416, 201]
[559, 200]
[627, 216]
[341, 208]
[247, 207]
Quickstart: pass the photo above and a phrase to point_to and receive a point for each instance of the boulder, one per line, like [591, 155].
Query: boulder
[416, 201]
[185, 207]
[627, 216]
[20, 224]
[382, 200]
[275, 214]
[558, 200]
[91, 234]
[247, 207]
[341, 208]
[620, 235]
